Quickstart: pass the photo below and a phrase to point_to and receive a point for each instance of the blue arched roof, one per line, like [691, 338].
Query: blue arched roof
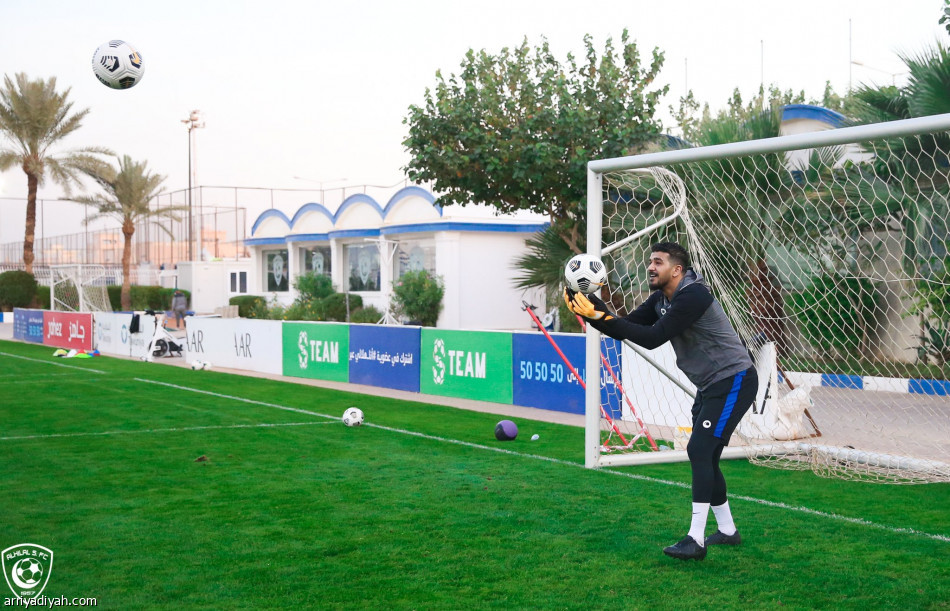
[311, 207]
[411, 191]
[359, 198]
[269, 213]
[815, 113]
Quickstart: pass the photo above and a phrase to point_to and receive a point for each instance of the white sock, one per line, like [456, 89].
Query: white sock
[697, 529]
[724, 519]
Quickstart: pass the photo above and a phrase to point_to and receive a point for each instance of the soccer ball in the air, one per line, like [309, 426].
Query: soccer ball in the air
[117, 64]
[29, 571]
[353, 416]
[585, 273]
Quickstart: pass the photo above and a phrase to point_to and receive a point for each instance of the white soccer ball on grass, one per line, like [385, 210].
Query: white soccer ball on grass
[353, 416]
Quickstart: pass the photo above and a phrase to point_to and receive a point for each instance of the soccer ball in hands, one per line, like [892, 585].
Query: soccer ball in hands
[353, 416]
[117, 64]
[585, 273]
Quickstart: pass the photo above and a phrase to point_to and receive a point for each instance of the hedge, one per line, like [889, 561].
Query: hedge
[17, 289]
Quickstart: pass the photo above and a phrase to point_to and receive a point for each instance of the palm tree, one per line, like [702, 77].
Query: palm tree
[126, 196]
[35, 117]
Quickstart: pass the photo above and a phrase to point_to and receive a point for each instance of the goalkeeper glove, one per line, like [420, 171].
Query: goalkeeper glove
[568, 296]
[592, 310]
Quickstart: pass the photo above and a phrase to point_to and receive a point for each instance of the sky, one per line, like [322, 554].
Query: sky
[298, 93]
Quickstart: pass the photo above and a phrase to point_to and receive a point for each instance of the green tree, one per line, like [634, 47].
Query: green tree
[35, 117]
[515, 130]
[417, 296]
[126, 196]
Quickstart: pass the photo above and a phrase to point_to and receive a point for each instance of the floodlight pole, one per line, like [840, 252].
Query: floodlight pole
[192, 123]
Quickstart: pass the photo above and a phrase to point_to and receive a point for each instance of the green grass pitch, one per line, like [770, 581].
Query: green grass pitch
[419, 509]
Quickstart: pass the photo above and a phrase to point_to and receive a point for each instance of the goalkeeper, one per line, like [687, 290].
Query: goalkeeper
[682, 310]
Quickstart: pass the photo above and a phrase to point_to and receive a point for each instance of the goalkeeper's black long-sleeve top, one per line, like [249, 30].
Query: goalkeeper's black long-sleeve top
[707, 347]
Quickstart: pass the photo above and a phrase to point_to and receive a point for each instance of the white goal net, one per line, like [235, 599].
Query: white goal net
[79, 288]
[829, 253]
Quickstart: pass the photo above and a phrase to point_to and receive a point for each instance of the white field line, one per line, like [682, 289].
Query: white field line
[26, 358]
[558, 461]
[14, 378]
[174, 430]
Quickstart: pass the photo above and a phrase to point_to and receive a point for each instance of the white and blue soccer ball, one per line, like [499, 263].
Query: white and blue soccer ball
[353, 416]
[118, 65]
[198, 365]
[585, 273]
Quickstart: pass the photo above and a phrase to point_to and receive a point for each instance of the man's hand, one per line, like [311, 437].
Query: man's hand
[583, 306]
[568, 296]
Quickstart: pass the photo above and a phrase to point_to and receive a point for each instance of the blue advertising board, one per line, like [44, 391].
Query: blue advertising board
[28, 325]
[385, 356]
[542, 379]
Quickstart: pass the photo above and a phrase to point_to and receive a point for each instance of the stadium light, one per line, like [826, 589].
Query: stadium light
[193, 123]
[893, 75]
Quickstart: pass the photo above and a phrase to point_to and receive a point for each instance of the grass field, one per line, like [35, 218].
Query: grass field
[421, 508]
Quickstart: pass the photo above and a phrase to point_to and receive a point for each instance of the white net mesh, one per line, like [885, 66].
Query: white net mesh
[79, 288]
[833, 266]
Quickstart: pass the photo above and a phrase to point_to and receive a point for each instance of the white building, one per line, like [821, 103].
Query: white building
[364, 247]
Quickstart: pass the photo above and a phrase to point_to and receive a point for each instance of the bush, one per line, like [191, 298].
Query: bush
[932, 304]
[43, 301]
[369, 314]
[249, 306]
[335, 306]
[17, 289]
[313, 286]
[417, 297]
[144, 297]
[838, 313]
[115, 296]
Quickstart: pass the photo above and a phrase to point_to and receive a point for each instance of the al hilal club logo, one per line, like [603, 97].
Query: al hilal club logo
[27, 567]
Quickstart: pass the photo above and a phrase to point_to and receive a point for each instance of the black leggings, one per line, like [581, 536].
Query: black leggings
[716, 412]
[709, 485]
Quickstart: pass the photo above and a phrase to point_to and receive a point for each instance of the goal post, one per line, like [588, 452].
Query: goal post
[830, 253]
[79, 288]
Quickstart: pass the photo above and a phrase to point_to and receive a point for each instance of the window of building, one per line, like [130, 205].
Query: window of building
[414, 256]
[275, 271]
[363, 264]
[239, 282]
[315, 259]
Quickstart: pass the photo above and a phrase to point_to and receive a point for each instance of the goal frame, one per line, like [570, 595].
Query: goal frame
[593, 456]
[83, 276]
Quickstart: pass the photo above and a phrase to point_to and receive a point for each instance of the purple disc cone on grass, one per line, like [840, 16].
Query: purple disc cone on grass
[506, 430]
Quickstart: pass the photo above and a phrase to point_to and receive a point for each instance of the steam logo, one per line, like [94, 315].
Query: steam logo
[303, 342]
[438, 366]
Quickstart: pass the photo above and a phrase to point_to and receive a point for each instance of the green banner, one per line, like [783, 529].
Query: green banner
[469, 364]
[319, 350]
